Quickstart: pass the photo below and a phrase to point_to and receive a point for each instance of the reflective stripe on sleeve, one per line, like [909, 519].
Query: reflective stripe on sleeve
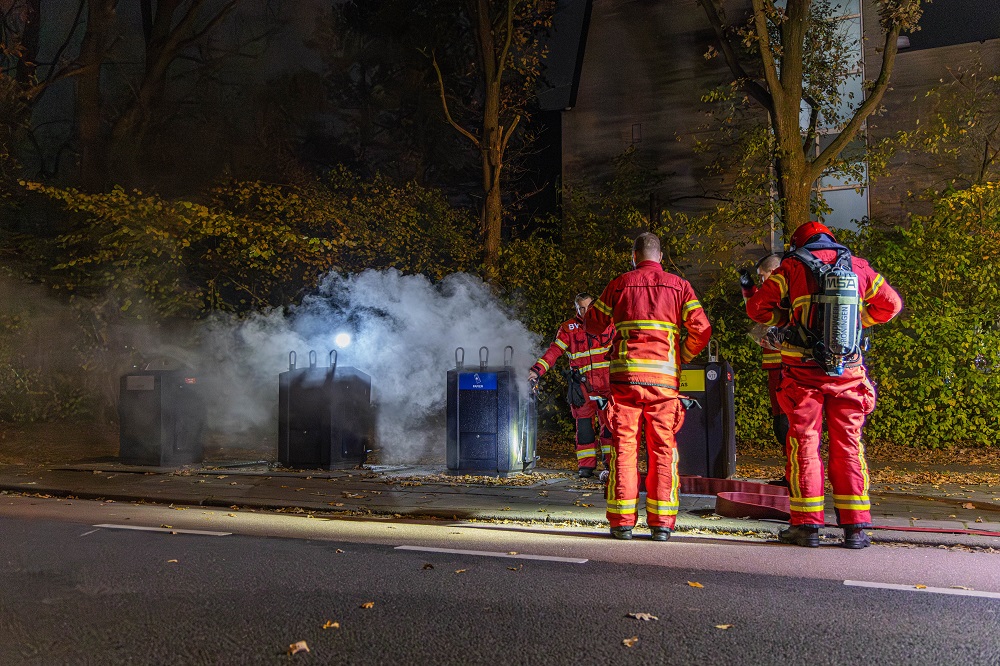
[874, 286]
[689, 307]
[545, 365]
[600, 306]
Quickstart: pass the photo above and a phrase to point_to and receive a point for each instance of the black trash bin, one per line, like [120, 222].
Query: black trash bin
[325, 415]
[161, 417]
[706, 441]
[491, 429]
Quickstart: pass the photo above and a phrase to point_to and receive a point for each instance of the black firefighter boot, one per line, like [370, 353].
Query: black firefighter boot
[806, 536]
[660, 533]
[621, 533]
[855, 537]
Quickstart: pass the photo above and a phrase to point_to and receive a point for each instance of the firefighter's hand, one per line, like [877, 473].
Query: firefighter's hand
[532, 377]
[746, 278]
[773, 338]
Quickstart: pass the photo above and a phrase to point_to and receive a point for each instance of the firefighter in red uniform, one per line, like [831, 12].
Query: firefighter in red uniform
[586, 355]
[771, 360]
[648, 307]
[811, 389]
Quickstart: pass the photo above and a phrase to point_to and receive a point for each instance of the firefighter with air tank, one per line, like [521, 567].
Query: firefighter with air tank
[822, 297]
[587, 379]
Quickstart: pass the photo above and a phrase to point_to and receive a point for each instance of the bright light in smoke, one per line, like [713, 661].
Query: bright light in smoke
[342, 340]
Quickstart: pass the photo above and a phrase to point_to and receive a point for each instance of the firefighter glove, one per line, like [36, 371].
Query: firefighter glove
[746, 278]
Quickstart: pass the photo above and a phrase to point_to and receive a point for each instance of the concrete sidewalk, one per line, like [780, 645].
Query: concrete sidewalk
[952, 512]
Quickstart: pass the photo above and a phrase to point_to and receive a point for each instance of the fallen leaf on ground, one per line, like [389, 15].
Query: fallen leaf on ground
[335, 503]
[368, 604]
[428, 565]
[723, 626]
[920, 587]
[295, 648]
[960, 587]
[643, 616]
[512, 552]
[339, 550]
[460, 570]
[170, 561]
[167, 527]
[515, 568]
[331, 625]
[968, 505]
[693, 584]
[629, 642]
[231, 515]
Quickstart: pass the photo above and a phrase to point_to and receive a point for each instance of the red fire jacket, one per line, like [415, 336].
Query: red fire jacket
[648, 306]
[584, 351]
[771, 359]
[785, 298]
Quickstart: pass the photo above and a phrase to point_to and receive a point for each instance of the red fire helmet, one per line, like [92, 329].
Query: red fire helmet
[807, 231]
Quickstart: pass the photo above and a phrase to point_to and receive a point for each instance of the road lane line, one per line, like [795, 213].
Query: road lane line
[914, 588]
[171, 530]
[489, 553]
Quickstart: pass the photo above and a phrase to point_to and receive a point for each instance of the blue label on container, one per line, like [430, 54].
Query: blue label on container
[478, 381]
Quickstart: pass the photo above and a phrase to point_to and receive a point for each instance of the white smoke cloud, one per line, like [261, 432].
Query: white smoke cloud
[405, 330]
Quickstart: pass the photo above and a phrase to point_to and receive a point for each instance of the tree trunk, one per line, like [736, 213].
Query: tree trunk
[492, 157]
[27, 63]
[90, 137]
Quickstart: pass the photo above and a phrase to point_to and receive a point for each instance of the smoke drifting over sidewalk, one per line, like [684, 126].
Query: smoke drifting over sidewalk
[404, 332]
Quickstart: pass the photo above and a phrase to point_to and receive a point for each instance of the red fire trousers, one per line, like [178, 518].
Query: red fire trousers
[589, 436]
[657, 411]
[806, 396]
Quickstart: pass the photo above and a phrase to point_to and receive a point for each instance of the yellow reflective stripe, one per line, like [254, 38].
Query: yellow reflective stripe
[586, 453]
[599, 351]
[867, 319]
[772, 357]
[601, 307]
[802, 301]
[621, 507]
[605, 448]
[793, 458]
[856, 502]
[661, 508]
[658, 367]
[562, 345]
[874, 286]
[647, 325]
[592, 366]
[545, 365]
[688, 308]
[782, 284]
[793, 351]
[864, 466]
[775, 318]
[807, 504]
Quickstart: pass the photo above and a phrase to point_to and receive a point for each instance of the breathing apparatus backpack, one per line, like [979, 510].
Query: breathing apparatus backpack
[832, 330]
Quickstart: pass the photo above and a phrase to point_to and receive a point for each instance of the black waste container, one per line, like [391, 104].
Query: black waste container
[325, 415]
[491, 429]
[707, 440]
[161, 416]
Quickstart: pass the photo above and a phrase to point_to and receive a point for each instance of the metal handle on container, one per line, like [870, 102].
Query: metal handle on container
[508, 358]
[291, 360]
[484, 357]
[333, 358]
[713, 357]
[312, 358]
[459, 358]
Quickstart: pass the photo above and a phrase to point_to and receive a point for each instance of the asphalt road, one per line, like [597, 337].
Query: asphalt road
[73, 593]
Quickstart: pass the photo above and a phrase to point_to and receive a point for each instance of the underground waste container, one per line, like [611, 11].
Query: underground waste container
[325, 415]
[161, 417]
[706, 441]
[492, 429]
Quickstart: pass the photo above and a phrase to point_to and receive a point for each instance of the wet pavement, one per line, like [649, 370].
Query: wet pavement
[938, 514]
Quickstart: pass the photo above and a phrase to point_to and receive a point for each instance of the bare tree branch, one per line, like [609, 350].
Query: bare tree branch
[747, 82]
[444, 102]
[867, 107]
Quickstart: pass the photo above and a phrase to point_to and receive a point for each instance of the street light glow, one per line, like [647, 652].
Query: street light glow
[342, 340]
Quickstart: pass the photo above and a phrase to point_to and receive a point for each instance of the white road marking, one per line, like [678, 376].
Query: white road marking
[170, 530]
[86, 533]
[913, 588]
[489, 553]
